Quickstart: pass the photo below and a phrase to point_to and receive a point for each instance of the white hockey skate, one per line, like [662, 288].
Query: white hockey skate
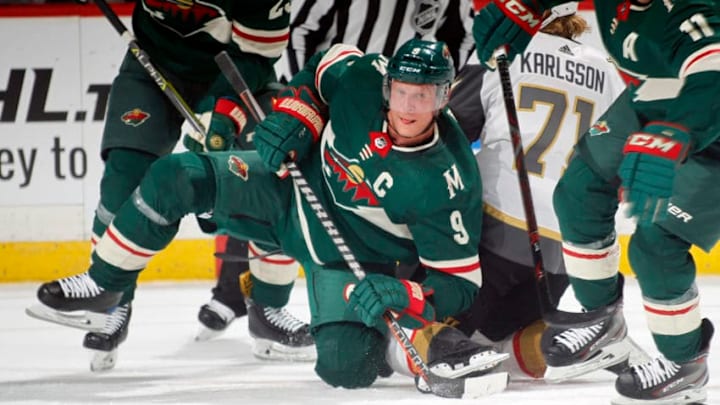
[452, 355]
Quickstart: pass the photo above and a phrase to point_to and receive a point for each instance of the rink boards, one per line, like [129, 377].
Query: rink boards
[54, 96]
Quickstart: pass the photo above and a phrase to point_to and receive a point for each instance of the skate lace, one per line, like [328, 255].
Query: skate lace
[116, 319]
[79, 286]
[282, 319]
[655, 372]
[574, 339]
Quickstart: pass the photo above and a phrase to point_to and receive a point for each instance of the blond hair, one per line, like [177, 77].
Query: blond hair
[569, 26]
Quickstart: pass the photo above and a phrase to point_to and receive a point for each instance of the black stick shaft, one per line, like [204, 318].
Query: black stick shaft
[546, 303]
[144, 59]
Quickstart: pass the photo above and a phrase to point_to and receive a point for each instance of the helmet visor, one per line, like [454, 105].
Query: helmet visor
[414, 98]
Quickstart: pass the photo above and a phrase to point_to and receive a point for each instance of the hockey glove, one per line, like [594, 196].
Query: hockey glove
[648, 169]
[505, 22]
[223, 123]
[377, 293]
[294, 125]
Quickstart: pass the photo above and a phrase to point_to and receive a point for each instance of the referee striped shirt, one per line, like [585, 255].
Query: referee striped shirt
[376, 26]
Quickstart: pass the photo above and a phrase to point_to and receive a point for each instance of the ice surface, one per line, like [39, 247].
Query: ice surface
[43, 363]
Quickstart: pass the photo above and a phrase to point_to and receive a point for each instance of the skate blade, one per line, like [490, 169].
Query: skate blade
[465, 388]
[610, 355]
[483, 361]
[269, 350]
[696, 396]
[205, 334]
[85, 320]
[103, 361]
[484, 385]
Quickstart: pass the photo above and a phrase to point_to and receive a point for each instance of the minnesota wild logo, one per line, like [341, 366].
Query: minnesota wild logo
[599, 128]
[135, 117]
[238, 167]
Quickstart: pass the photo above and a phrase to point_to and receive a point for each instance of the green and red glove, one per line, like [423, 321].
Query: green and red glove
[510, 23]
[223, 122]
[648, 169]
[295, 124]
[377, 293]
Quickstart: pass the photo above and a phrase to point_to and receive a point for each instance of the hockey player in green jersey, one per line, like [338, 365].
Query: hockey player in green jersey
[142, 124]
[395, 173]
[657, 148]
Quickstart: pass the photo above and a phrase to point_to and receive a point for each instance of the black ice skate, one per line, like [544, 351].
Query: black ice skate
[278, 335]
[451, 354]
[664, 382]
[78, 292]
[214, 318]
[576, 351]
[106, 341]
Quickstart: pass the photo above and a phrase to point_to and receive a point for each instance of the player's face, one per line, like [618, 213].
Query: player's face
[412, 108]
[413, 98]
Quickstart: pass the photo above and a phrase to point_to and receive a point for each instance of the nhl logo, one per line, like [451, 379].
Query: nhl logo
[425, 16]
[380, 143]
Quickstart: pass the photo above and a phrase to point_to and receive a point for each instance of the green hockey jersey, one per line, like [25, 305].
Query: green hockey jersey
[669, 52]
[183, 37]
[389, 202]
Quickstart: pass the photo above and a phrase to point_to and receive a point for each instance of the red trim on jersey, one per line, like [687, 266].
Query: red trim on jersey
[257, 38]
[458, 269]
[118, 242]
[62, 10]
[590, 256]
[341, 55]
[702, 55]
[668, 312]
[269, 259]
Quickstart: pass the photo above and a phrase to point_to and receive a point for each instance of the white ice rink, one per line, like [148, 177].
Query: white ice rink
[43, 363]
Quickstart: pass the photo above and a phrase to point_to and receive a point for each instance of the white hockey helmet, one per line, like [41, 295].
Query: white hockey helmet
[560, 10]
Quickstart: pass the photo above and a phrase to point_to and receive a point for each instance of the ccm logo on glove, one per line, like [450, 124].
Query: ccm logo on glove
[523, 16]
[656, 145]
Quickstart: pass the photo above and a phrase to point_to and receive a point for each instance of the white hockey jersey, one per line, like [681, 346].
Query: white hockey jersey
[561, 87]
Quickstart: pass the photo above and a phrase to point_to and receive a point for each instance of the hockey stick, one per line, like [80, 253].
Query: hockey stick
[551, 315]
[144, 59]
[441, 386]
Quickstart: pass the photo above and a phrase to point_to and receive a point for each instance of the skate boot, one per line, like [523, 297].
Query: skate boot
[665, 382]
[214, 318]
[576, 351]
[278, 335]
[453, 355]
[105, 342]
[78, 292]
